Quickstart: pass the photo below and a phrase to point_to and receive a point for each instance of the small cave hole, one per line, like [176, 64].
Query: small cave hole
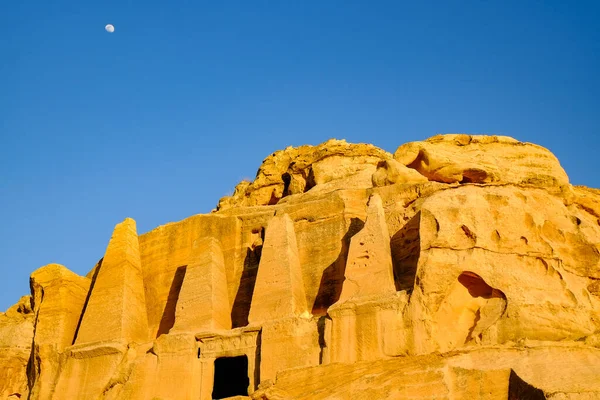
[274, 199]
[310, 181]
[477, 287]
[287, 180]
[468, 233]
[474, 175]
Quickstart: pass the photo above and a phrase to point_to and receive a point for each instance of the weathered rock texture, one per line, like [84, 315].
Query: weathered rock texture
[461, 267]
[16, 337]
[203, 302]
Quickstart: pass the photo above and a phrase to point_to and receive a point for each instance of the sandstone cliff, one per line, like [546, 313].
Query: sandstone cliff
[460, 267]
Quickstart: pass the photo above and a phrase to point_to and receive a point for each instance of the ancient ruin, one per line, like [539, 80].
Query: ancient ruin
[460, 267]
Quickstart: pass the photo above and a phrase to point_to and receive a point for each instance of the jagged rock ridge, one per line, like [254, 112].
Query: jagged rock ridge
[460, 267]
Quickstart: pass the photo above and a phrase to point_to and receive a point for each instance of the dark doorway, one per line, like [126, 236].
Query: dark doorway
[231, 377]
[518, 389]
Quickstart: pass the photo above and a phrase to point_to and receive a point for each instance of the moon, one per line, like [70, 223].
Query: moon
[109, 28]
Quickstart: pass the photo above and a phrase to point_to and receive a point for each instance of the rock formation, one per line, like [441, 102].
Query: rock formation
[460, 267]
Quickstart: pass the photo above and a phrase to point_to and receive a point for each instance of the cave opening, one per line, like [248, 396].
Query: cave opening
[231, 377]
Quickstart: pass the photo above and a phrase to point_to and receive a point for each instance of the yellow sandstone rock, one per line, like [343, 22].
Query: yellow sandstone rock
[335, 164]
[482, 159]
[117, 309]
[369, 270]
[16, 337]
[279, 289]
[461, 267]
[59, 297]
[203, 302]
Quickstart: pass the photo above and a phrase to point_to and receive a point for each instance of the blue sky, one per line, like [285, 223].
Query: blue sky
[161, 118]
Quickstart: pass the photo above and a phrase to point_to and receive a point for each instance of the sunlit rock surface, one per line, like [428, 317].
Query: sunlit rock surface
[460, 267]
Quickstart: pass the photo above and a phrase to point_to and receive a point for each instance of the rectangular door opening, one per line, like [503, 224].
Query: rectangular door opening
[231, 377]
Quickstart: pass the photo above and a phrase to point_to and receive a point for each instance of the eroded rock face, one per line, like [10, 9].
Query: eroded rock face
[482, 159]
[524, 243]
[460, 267]
[59, 297]
[369, 270]
[16, 337]
[334, 164]
[203, 282]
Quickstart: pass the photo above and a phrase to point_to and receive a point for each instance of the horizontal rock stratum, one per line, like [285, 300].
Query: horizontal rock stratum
[460, 267]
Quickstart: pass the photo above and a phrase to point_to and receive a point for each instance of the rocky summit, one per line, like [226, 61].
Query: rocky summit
[460, 267]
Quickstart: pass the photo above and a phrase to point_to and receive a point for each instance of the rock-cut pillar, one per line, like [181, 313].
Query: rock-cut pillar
[289, 338]
[203, 301]
[116, 309]
[357, 317]
[369, 270]
[279, 289]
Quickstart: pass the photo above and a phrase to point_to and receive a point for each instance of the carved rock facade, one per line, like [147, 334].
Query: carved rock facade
[461, 267]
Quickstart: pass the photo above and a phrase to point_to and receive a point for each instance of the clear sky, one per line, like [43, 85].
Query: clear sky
[161, 118]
